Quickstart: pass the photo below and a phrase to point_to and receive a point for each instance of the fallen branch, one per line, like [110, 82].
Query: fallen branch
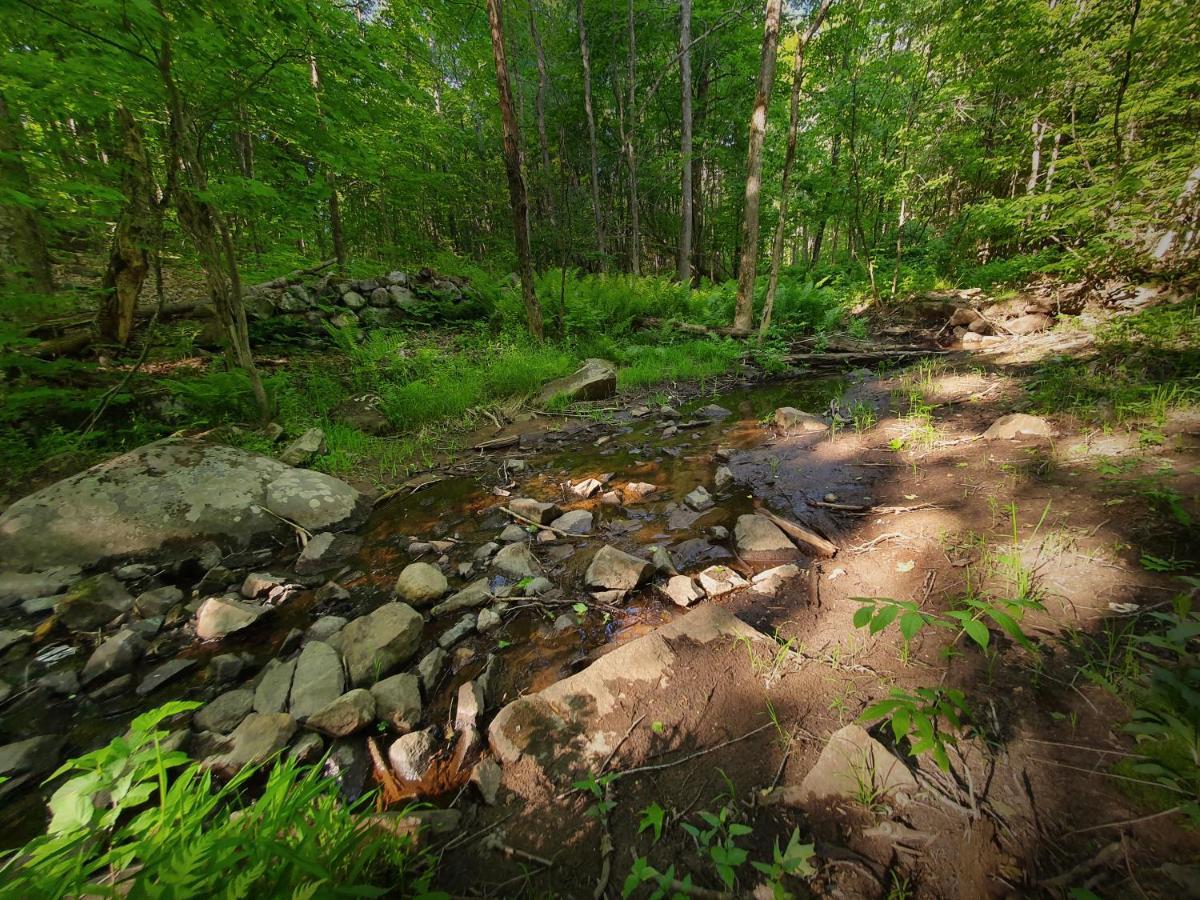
[838, 357]
[820, 546]
[558, 531]
[498, 443]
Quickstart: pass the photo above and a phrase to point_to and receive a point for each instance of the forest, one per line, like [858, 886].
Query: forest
[641, 448]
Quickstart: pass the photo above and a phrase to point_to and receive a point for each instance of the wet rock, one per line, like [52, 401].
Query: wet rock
[535, 511]
[576, 521]
[474, 594]
[317, 681]
[325, 551]
[411, 754]
[259, 737]
[304, 448]
[488, 550]
[93, 603]
[157, 602]
[18, 586]
[429, 669]
[160, 501]
[260, 584]
[615, 569]
[849, 758]
[514, 534]
[398, 702]
[168, 671]
[789, 419]
[116, 656]
[517, 561]
[307, 748]
[700, 499]
[32, 756]
[457, 631]
[486, 777]
[595, 379]
[538, 586]
[759, 535]
[723, 478]
[636, 491]
[1016, 426]
[489, 620]
[681, 590]
[349, 713]
[718, 580]
[64, 683]
[1030, 324]
[421, 583]
[226, 667]
[663, 564]
[219, 617]
[226, 712]
[325, 628]
[589, 487]
[348, 764]
[770, 581]
[375, 644]
[274, 686]
[714, 412]
[331, 591]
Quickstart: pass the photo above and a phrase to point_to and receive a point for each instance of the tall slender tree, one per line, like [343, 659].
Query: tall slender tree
[585, 52]
[20, 224]
[685, 141]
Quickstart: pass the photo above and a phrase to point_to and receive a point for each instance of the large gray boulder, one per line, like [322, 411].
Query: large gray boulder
[375, 644]
[160, 501]
[595, 379]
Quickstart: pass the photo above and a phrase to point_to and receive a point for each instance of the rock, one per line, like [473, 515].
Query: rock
[546, 537]
[381, 297]
[259, 737]
[226, 667]
[344, 320]
[64, 683]
[474, 594]
[375, 644]
[116, 656]
[325, 628]
[18, 586]
[615, 569]
[758, 535]
[980, 326]
[38, 606]
[157, 602]
[401, 297]
[348, 764]
[663, 564]
[32, 756]
[331, 591]
[10, 637]
[1029, 324]
[535, 511]
[587, 488]
[850, 760]
[714, 412]
[971, 339]
[457, 631]
[421, 584]
[488, 550]
[538, 586]
[514, 534]
[723, 478]
[517, 561]
[770, 581]
[226, 712]
[486, 777]
[318, 680]
[260, 584]
[304, 448]
[610, 498]
[1018, 425]
[595, 379]
[363, 414]
[964, 315]
[326, 550]
[398, 702]
[681, 590]
[700, 499]
[789, 419]
[353, 300]
[489, 620]
[718, 580]
[219, 617]
[468, 709]
[429, 669]
[168, 671]
[576, 521]
[274, 686]
[349, 713]
[92, 603]
[411, 754]
[307, 748]
[160, 501]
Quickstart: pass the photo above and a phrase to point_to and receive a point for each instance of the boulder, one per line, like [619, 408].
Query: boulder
[375, 644]
[116, 656]
[157, 602]
[351, 712]
[219, 617]
[517, 561]
[92, 603]
[1029, 324]
[325, 628]
[595, 379]
[474, 594]
[168, 671]
[577, 521]
[1018, 425]
[614, 569]
[259, 737]
[225, 713]
[16, 587]
[325, 551]
[429, 669]
[421, 583]
[535, 511]
[304, 448]
[718, 580]
[398, 702]
[759, 536]
[681, 590]
[274, 686]
[32, 756]
[411, 754]
[159, 502]
[318, 679]
[789, 419]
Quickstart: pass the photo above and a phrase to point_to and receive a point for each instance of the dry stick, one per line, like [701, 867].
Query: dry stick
[1124, 822]
[624, 738]
[657, 766]
[558, 531]
[1062, 765]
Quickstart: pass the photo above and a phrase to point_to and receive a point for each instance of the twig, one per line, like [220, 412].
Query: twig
[624, 738]
[1124, 822]
[890, 536]
[657, 766]
[559, 531]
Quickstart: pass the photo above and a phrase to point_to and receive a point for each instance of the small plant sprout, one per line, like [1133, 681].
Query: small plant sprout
[653, 818]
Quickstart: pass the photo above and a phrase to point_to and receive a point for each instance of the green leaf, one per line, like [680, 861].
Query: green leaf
[976, 631]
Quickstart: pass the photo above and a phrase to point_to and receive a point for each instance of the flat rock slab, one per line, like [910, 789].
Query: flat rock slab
[158, 501]
[851, 762]
[575, 723]
[595, 379]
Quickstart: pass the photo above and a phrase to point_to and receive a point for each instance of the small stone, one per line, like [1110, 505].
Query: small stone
[326, 550]
[610, 498]
[331, 591]
[353, 300]
[307, 748]
[682, 590]
[663, 564]
[538, 586]
[258, 738]
[488, 550]
[486, 777]
[274, 686]
[318, 680]
[38, 606]
[477, 593]
[546, 537]
[488, 620]
[638, 490]
[514, 534]
[469, 708]
[718, 580]
[164, 673]
[157, 602]
[586, 488]
[260, 584]
[375, 644]
[535, 511]
[1018, 425]
[457, 631]
[411, 754]
[723, 477]
[398, 702]
[770, 581]
[325, 628]
[93, 603]
[64, 683]
[758, 535]
[226, 712]
[700, 499]
[421, 584]
[10, 637]
[116, 656]
[349, 713]
[226, 667]
[713, 411]
[565, 622]
[790, 419]
[304, 448]
[614, 569]
[831, 498]
[517, 562]
[219, 617]
[429, 669]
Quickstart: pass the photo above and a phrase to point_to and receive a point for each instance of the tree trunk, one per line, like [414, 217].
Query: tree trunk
[137, 230]
[540, 106]
[635, 249]
[591, 126]
[336, 236]
[685, 142]
[743, 314]
[512, 167]
[789, 161]
[24, 242]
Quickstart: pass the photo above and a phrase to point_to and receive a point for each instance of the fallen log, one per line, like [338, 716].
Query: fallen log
[815, 542]
[498, 443]
[858, 356]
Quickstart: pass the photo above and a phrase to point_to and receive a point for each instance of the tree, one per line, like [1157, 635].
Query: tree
[591, 130]
[20, 223]
[743, 314]
[685, 141]
[512, 166]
